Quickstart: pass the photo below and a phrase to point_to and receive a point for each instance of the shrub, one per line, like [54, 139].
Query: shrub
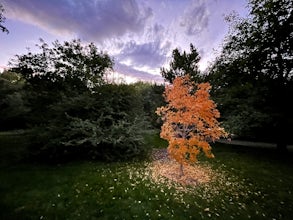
[107, 124]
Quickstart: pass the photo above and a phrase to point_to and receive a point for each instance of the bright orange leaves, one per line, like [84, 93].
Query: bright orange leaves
[190, 120]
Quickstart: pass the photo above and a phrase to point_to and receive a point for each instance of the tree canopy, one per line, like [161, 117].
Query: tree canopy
[255, 70]
[66, 63]
[182, 64]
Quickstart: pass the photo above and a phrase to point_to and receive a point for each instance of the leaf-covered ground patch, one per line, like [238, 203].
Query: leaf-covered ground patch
[164, 168]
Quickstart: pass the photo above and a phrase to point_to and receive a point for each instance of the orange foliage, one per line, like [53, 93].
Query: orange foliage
[190, 120]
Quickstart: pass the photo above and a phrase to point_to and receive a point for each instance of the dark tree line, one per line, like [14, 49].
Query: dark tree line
[252, 78]
[254, 73]
[61, 95]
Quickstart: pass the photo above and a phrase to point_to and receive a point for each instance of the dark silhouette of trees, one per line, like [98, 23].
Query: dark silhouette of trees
[253, 75]
[73, 112]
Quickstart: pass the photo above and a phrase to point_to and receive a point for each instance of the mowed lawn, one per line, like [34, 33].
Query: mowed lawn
[248, 183]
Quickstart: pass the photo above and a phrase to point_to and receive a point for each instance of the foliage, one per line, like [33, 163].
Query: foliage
[69, 64]
[60, 72]
[255, 67]
[239, 101]
[183, 64]
[13, 106]
[152, 95]
[190, 120]
[2, 20]
[108, 124]
[73, 112]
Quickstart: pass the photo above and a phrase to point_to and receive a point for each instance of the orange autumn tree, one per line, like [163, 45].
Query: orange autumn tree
[190, 120]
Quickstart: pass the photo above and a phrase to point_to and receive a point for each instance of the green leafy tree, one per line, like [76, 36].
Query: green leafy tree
[257, 59]
[239, 100]
[13, 105]
[65, 64]
[183, 64]
[60, 71]
[2, 20]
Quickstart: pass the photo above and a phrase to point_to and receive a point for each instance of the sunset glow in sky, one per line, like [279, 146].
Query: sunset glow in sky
[139, 34]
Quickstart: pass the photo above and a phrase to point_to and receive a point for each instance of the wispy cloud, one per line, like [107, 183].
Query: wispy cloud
[195, 17]
[138, 74]
[87, 19]
[151, 53]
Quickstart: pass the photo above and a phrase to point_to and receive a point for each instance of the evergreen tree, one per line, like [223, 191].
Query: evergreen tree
[183, 64]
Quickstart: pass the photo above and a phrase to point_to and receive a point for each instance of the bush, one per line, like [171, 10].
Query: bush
[13, 106]
[107, 124]
[152, 99]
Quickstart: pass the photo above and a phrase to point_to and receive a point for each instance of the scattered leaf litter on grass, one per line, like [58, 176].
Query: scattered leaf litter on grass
[164, 170]
[193, 175]
[164, 167]
[203, 181]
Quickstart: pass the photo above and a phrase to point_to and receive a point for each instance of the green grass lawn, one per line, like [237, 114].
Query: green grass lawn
[251, 183]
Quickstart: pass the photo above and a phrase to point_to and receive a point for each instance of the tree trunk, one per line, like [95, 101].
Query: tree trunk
[181, 172]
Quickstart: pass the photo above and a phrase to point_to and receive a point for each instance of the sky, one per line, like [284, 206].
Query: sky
[139, 35]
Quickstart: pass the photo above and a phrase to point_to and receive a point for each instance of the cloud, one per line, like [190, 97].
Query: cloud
[88, 19]
[195, 17]
[150, 54]
[140, 75]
